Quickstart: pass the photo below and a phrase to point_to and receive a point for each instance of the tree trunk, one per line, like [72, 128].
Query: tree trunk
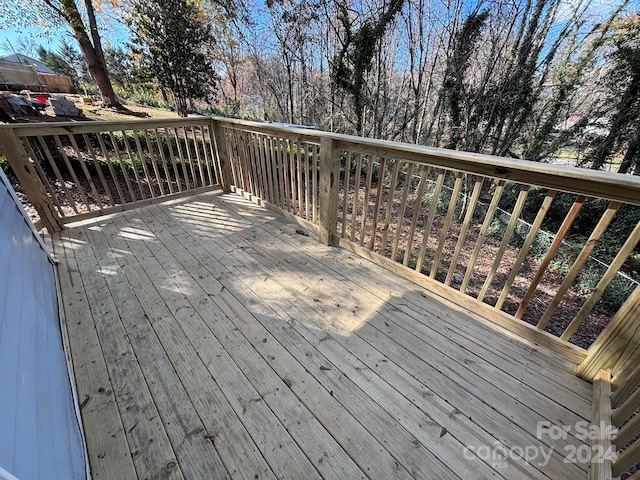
[632, 151]
[91, 51]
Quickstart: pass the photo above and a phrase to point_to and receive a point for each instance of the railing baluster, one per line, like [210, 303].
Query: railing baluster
[280, 168]
[597, 293]
[154, 162]
[56, 171]
[533, 231]
[562, 231]
[624, 409]
[183, 161]
[163, 159]
[403, 206]
[203, 180]
[194, 172]
[365, 202]
[447, 222]
[83, 166]
[246, 148]
[292, 177]
[273, 168]
[98, 167]
[390, 203]
[234, 157]
[511, 226]
[172, 156]
[143, 161]
[299, 173]
[112, 172]
[499, 186]
[76, 181]
[255, 155]
[424, 173]
[265, 167]
[376, 206]
[604, 222]
[473, 202]
[207, 155]
[345, 196]
[259, 167]
[307, 184]
[133, 164]
[432, 212]
[286, 170]
[123, 166]
[43, 176]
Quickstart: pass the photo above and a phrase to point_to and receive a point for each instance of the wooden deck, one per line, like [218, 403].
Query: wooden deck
[212, 339]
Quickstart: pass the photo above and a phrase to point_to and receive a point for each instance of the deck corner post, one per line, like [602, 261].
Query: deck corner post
[223, 157]
[329, 182]
[617, 342]
[26, 174]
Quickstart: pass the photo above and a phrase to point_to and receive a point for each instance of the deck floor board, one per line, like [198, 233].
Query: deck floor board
[253, 351]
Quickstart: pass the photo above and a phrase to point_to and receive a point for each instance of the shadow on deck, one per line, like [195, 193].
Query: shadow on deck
[212, 339]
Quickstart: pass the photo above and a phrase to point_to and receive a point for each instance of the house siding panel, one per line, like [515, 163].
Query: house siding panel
[39, 430]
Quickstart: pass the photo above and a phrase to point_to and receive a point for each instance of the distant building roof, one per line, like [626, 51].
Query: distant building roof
[24, 60]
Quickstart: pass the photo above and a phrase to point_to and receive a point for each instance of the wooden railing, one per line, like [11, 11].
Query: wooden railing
[487, 232]
[280, 169]
[86, 169]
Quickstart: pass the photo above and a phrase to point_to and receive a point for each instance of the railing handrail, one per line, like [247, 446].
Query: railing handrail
[51, 128]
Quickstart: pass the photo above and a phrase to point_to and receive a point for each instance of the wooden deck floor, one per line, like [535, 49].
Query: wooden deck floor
[211, 339]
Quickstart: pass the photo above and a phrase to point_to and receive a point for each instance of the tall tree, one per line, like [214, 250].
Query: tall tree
[56, 62]
[353, 62]
[173, 37]
[621, 104]
[90, 43]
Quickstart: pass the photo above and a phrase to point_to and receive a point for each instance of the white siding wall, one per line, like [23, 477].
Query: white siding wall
[39, 432]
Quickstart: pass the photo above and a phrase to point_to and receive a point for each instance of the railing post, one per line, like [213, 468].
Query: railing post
[28, 177]
[617, 342]
[329, 181]
[223, 157]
